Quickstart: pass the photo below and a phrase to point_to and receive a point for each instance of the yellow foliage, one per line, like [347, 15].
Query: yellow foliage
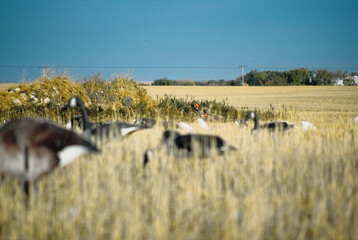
[42, 92]
[52, 91]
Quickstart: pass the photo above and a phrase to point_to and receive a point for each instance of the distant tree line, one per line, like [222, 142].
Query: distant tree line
[300, 76]
[167, 82]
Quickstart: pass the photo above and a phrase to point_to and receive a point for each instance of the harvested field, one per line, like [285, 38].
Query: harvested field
[5, 86]
[301, 98]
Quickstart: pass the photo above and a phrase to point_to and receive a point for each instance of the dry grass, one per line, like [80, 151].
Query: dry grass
[302, 185]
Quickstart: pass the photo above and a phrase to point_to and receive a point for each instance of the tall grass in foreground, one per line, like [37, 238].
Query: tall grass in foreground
[302, 185]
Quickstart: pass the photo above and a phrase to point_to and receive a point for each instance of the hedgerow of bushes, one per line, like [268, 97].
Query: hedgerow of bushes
[120, 98]
[46, 96]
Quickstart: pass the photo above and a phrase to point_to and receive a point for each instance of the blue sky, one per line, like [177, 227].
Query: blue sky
[163, 33]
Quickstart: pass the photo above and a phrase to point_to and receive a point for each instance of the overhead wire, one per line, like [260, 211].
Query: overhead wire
[177, 67]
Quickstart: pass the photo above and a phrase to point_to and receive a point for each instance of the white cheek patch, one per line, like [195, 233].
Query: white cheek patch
[150, 155]
[223, 149]
[68, 125]
[73, 102]
[68, 154]
[125, 131]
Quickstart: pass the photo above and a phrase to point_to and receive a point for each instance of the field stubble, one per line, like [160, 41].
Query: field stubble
[301, 98]
[301, 185]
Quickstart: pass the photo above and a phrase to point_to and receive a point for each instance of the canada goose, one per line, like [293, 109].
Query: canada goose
[271, 126]
[189, 145]
[148, 122]
[30, 149]
[76, 121]
[105, 129]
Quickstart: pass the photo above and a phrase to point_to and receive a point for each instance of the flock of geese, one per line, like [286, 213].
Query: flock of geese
[33, 148]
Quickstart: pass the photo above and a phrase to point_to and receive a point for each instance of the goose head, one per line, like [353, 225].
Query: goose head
[148, 156]
[250, 115]
[168, 135]
[74, 102]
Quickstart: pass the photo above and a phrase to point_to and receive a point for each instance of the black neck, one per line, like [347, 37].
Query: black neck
[86, 123]
[257, 125]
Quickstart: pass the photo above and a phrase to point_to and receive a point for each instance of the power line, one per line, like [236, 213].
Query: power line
[296, 67]
[178, 67]
[124, 67]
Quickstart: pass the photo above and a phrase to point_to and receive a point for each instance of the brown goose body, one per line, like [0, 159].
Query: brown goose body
[30, 149]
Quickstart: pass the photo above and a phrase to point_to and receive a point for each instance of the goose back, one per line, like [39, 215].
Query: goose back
[190, 145]
[282, 126]
[30, 149]
[106, 130]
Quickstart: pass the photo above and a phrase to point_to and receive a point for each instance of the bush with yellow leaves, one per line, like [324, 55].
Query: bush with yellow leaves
[120, 97]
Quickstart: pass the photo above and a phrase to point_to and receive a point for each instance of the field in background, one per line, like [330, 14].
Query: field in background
[302, 98]
[302, 185]
[5, 86]
[315, 99]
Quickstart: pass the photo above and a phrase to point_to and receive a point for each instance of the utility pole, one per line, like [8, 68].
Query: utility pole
[242, 75]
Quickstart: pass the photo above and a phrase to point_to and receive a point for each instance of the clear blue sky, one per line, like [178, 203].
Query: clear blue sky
[163, 33]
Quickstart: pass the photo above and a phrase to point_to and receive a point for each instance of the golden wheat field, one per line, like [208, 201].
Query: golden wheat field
[299, 185]
[303, 98]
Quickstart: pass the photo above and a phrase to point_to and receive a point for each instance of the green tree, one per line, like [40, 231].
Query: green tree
[324, 77]
[298, 76]
[187, 82]
[253, 78]
[163, 82]
[279, 80]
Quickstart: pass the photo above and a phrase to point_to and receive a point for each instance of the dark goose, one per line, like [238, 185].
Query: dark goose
[107, 129]
[271, 126]
[30, 149]
[189, 145]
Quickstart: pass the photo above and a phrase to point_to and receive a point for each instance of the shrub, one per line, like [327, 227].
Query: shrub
[104, 99]
[119, 98]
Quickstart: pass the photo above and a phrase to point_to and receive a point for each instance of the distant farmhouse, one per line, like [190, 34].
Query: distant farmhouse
[348, 81]
[338, 82]
[355, 80]
[145, 83]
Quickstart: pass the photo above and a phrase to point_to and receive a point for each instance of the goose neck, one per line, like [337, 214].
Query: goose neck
[257, 125]
[86, 123]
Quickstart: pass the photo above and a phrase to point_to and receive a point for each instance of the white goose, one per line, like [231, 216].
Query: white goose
[305, 126]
